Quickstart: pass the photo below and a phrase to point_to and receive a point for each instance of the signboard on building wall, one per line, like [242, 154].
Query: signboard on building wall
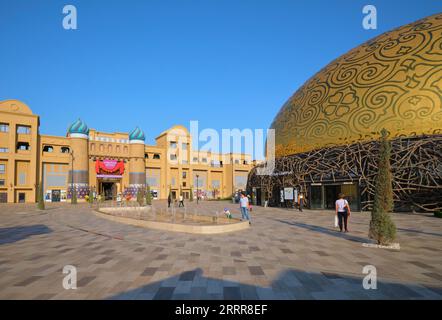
[63, 196]
[288, 193]
[109, 167]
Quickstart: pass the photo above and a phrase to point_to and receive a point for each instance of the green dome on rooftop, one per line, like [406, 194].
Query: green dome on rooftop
[78, 127]
[137, 134]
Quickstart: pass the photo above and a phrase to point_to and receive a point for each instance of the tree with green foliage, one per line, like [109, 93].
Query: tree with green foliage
[148, 196]
[74, 196]
[382, 228]
[191, 194]
[140, 197]
[40, 198]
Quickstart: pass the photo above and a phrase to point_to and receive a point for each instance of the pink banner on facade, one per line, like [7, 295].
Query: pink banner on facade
[110, 164]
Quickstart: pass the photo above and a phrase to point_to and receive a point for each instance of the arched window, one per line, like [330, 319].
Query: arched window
[48, 149]
[101, 148]
[65, 150]
[109, 148]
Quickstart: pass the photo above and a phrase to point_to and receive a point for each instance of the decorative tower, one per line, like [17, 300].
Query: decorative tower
[78, 134]
[137, 167]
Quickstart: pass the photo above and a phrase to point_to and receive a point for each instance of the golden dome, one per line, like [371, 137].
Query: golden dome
[393, 81]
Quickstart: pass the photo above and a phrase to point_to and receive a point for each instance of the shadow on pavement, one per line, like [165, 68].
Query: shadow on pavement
[14, 234]
[330, 232]
[291, 284]
[420, 232]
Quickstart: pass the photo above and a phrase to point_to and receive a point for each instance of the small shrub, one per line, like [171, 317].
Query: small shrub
[140, 197]
[148, 196]
[438, 214]
[90, 198]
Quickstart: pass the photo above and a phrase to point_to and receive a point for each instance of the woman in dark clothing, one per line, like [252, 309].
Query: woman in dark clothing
[342, 211]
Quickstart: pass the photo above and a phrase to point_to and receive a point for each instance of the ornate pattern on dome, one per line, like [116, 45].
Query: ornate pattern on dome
[393, 81]
[79, 127]
[137, 134]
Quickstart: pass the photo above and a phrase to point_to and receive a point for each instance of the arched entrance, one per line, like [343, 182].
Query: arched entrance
[108, 188]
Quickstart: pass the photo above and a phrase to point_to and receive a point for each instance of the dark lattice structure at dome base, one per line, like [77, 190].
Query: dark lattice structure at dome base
[320, 174]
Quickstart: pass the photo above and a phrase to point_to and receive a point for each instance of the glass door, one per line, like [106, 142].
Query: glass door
[331, 195]
[316, 197]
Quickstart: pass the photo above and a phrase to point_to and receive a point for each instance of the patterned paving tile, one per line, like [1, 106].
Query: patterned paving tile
[27, 281]
[164, 293]
[284, 255]
[256, 271]
[187, 276]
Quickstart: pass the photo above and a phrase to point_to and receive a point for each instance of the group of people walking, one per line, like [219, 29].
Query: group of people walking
[181, 203]
[342, 209]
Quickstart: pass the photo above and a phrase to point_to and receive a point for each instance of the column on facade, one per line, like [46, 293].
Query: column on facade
[79, 167]
[137, 165]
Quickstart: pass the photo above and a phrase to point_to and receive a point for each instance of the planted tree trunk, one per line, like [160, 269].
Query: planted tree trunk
[191, 194]
[40, 198]
[74, 196]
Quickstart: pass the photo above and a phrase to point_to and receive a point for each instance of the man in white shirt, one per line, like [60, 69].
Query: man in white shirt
[244, 205]
[181, 201]
[342, 211]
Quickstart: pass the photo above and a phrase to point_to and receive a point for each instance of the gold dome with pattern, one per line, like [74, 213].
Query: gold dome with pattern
[393, 81]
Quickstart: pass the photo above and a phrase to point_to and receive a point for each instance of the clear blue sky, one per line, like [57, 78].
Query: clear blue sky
[155, 63]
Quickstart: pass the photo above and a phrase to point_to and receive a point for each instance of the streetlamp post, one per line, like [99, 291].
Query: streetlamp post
[72, 176]
[197, 193]
[233, 175]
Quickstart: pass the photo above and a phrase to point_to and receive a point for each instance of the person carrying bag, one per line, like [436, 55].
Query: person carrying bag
[342, 212]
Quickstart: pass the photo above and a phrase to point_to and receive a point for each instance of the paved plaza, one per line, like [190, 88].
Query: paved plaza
[285, 254]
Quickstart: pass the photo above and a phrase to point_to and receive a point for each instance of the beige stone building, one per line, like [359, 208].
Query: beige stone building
[108, 163]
